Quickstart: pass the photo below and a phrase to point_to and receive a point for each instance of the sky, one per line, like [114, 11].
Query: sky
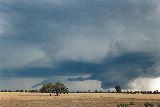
[86, 44]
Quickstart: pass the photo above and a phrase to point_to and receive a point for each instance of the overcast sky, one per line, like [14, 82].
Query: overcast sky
[87, 44]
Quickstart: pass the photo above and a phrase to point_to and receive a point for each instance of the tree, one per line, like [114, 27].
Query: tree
[46, 88]
[118, 89]
[57, 88]
[96, 91]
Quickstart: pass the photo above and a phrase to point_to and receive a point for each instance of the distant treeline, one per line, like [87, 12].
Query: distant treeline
[96, 91]
[59, 88]
[127, 92]
[36, 91]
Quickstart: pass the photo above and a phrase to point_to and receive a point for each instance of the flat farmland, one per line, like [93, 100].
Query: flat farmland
[76, 100]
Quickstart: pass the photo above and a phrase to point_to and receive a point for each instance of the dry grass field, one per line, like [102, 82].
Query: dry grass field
[75, 100]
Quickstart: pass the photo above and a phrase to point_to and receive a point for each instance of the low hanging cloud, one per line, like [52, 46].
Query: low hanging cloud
[18, 56]
[140, 84]
[115, 42]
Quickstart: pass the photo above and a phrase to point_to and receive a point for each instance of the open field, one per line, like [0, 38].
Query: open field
[75, 99]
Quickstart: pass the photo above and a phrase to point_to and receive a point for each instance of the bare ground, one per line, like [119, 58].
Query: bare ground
[76, 100]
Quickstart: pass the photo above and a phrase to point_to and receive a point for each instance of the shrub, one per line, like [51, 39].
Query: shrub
[122, 105]
[148, 104]
[131, 103]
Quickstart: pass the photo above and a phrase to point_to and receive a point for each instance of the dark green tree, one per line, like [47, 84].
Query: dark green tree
[57, 88]
[118, 89]
[46, 88]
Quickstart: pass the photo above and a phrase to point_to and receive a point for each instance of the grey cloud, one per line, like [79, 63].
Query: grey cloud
[44, 35]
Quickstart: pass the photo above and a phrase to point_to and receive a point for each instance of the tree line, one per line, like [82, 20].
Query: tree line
[59, 88]
[56, 88]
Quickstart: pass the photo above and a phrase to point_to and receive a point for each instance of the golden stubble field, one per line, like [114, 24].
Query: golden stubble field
[75, 99]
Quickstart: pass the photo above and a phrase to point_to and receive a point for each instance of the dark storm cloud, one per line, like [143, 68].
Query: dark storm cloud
[115, 41]
[112, 71]
[120, 70]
